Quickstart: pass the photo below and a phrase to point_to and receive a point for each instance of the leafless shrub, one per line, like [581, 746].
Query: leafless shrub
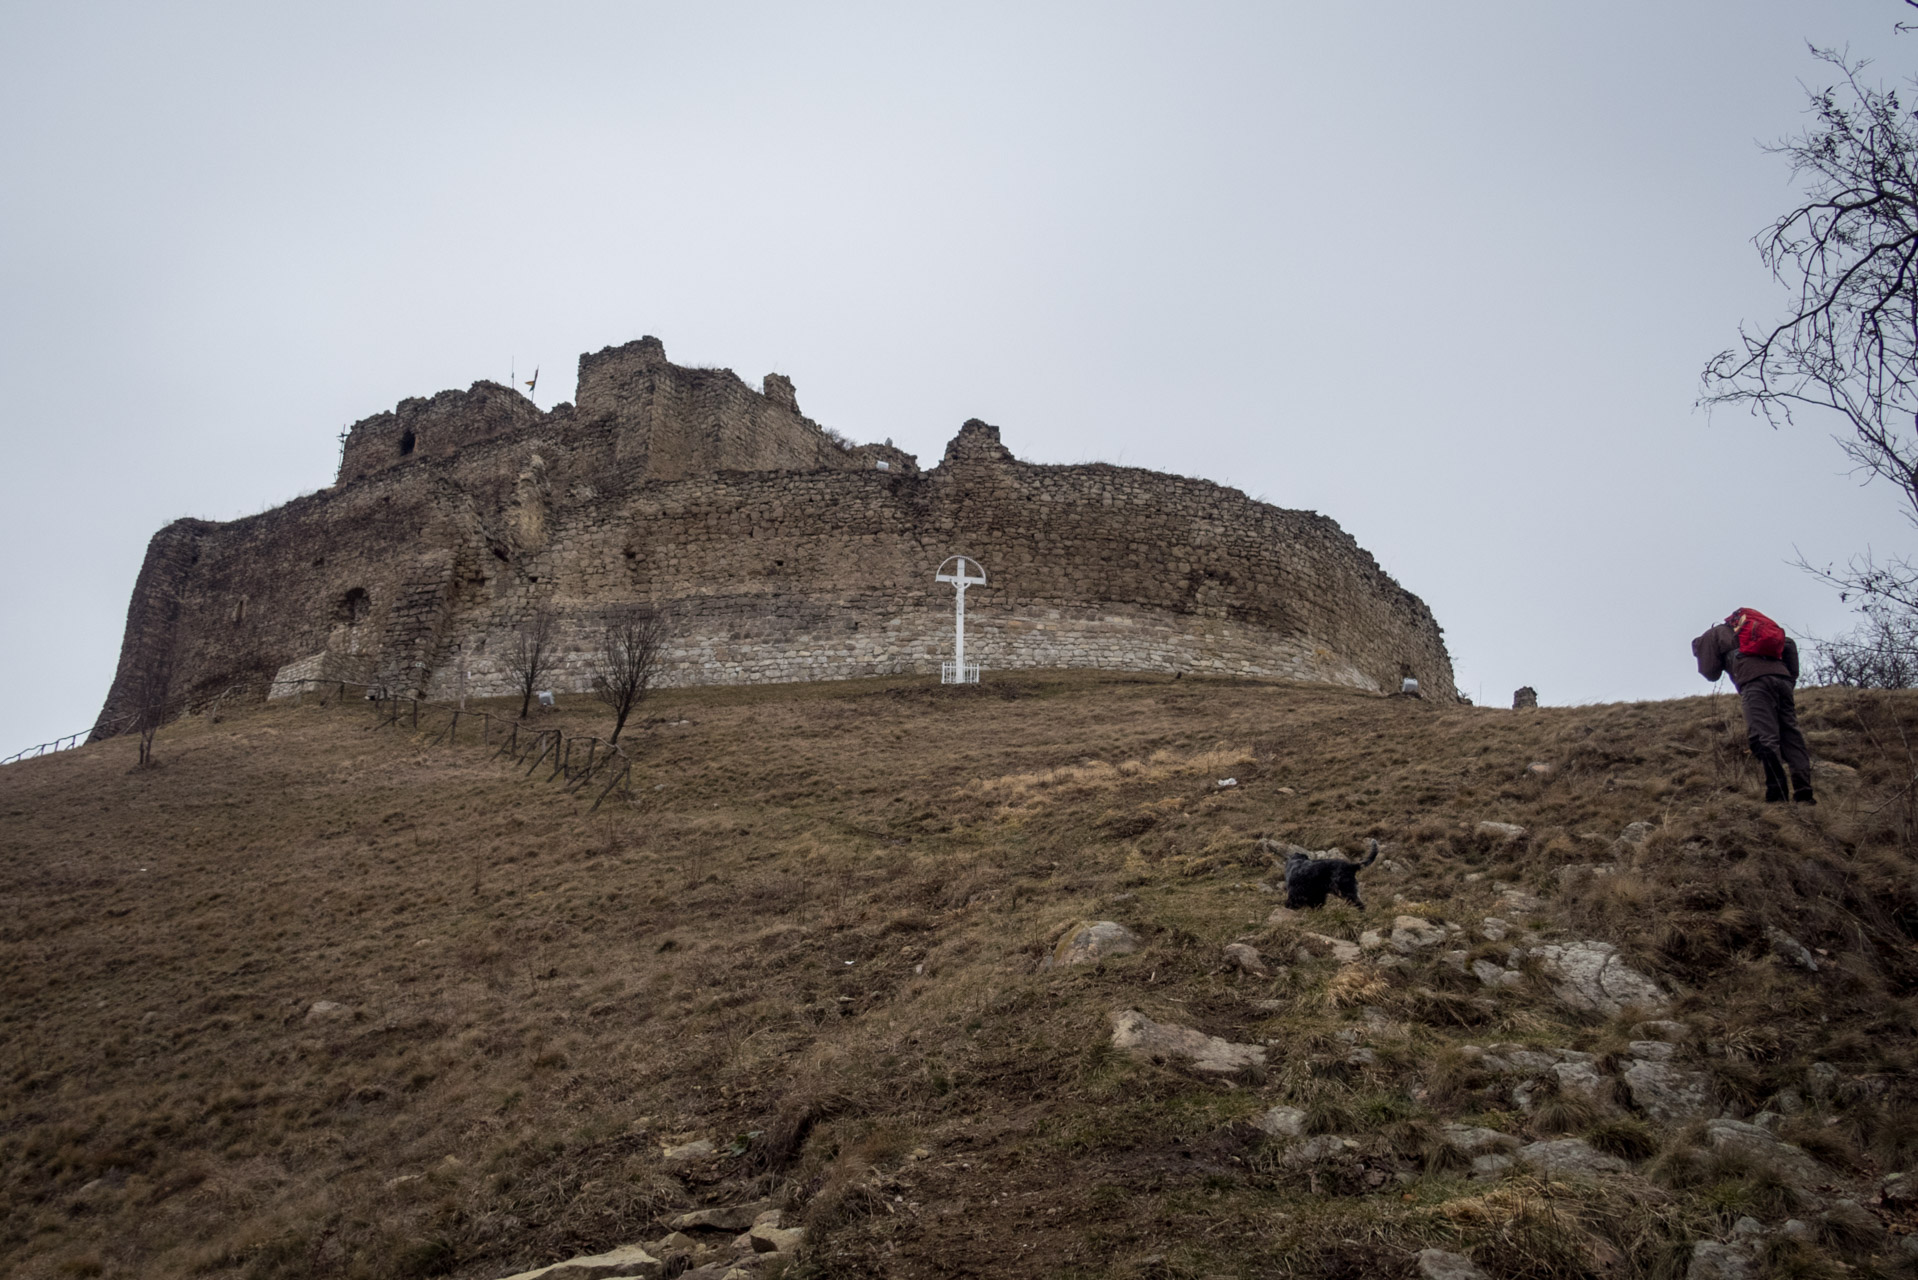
[151, 685]
[533, 655]
[626, 662]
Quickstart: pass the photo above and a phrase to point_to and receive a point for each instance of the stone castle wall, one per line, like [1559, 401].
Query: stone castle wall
[778, 552]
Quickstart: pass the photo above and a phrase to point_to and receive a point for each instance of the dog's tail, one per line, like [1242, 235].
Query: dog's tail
[1371, 857]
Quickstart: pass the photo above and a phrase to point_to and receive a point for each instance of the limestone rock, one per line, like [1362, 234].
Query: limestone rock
[1415, 933]
[327, 1011]
[1668, 1093]
[1165, 1042]
[1712, 1260]
[1569, 1157]
[770, 1239]
[1791, 1162]
[1092, 941]
[1283, 1122]
[1900, 1190]
[1518, 901]
[627, 1260]
[1581, 1080]
[1789, 949]
[1246, 960]
[1504, 832]
[1493, 975]
[699, 1150]
[1476, 1141]
[1342, 951]
[1849, 1219]
[1636, 833]
[1491, 1165]
[731, 1218]
[1437, 1264]
[1651, 1050]
[1494, 928]
[1541, 769]
[1590, 975]
[1670, 1032]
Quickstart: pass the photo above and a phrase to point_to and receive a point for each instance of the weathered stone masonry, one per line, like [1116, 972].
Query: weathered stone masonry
[779, 551]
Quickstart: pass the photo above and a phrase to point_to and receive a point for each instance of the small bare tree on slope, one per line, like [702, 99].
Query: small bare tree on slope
[152, 684]
[1849, 346]
[533, 656]
[626, 662]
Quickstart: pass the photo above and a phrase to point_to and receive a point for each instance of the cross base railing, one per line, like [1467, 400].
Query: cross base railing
[958, 673]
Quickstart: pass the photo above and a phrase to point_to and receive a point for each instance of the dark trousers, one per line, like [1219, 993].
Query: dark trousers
[1771, 726]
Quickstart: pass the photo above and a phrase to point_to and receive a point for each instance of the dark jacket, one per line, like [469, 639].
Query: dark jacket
[1717, 654]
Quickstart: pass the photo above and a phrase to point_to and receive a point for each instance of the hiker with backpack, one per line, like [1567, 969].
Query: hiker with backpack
[1763, 663]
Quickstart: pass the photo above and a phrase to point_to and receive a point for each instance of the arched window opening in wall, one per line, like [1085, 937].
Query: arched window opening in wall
[353, 606]
[407, 442]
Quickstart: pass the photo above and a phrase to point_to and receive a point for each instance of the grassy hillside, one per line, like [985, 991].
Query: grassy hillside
[817, 939]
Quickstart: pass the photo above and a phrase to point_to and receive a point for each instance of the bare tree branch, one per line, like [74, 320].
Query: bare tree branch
[1848, 254]
[627, 661]
[533, 656]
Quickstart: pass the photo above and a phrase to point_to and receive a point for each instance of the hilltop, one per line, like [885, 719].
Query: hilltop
[318, 999]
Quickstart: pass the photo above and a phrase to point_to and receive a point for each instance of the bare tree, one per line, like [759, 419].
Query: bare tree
[627, 660]
[152, 683]
[533, 656]
[1848, 347]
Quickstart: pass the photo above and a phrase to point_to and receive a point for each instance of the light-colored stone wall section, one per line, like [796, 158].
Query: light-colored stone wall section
[414, 571]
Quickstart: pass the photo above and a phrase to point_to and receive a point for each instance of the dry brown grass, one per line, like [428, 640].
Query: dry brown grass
[813, 940]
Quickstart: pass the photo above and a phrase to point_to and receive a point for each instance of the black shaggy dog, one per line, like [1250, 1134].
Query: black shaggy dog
[1308, 880]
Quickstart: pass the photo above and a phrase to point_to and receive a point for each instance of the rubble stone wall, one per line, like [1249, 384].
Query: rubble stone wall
[777, 552]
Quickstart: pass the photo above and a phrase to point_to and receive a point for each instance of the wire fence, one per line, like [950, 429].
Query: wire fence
[579, 762]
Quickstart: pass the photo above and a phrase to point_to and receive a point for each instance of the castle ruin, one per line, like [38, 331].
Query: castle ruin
[778, 551]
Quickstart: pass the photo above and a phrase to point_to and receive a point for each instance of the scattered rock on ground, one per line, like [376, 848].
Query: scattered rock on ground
[1476, 1141]
[1494, 928]
[1712, 1260]
[1581, 1080]
[627, 1260]
[1502, 831]
[1493, 975]
[1415, 933]
[687, 1151]
[1589, 975]
[1572, 1157]
[1791, 1162]
[1342, 951]
[1518, 901]
[1652, 1050]
[1850, 1219]
[732, 1218]
[771, 1239]
[1246, 960]
[1789, 949]
[327, 1011]
[1900, 1190]
[1283, 1122]
[1092, 941]
[1668, 1093]
[1165, 1042]
[1636, 833]
[1670, 1032]
[1541, 769]
[1437, 1264]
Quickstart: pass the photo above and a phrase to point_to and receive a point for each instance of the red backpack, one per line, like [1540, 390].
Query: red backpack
[1758, 635]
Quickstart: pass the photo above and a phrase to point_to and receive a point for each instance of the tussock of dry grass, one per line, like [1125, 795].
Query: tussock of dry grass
[814, 941]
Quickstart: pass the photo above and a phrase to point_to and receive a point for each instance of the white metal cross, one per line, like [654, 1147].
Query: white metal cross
[961, 572]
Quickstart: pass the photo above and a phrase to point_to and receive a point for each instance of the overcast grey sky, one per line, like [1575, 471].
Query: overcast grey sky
[1446, 273]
